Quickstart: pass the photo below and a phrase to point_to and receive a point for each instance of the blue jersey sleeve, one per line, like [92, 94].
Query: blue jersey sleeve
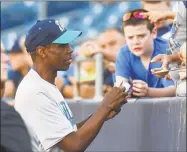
[123, 64]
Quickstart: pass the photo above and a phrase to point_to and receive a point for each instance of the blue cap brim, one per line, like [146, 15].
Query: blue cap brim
[67, 37]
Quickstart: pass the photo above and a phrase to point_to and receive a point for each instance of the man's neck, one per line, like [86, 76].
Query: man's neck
[45, 73]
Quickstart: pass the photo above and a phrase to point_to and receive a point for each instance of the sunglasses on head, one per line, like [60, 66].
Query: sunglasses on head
[136, 15]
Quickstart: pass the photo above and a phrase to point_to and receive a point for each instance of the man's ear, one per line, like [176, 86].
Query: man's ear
[41, 51]
[154, 33]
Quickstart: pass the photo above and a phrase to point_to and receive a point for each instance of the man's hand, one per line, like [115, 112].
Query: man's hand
[140, 88]
[106, 88]
[155, 16]
[158, 18]
[113, 100]
[91, 49]
[165, 60]
[160, 73]
[113, 113]
[111, 67]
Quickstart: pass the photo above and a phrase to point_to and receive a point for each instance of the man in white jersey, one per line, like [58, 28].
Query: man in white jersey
[40, 103]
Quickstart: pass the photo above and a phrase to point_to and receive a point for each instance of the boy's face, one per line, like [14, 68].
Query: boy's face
[139, 39]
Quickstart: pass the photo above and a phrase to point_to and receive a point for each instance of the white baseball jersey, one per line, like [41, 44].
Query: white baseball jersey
[44, 111]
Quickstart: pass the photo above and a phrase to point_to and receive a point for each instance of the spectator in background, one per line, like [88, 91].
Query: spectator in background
[95, 44]
[86, 84]
[160, 7]
[14, 135]
[109, 42]
[20, 63]
[133, 66]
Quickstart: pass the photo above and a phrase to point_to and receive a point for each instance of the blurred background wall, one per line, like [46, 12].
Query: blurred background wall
[89, 17]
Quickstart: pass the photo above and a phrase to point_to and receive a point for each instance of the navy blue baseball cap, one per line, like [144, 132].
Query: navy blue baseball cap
[48, 31]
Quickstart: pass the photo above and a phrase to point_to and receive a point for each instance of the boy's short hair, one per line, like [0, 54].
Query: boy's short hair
[138, 21]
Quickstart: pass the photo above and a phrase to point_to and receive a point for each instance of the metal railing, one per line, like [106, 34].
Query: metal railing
[145, 124]
[99, 75]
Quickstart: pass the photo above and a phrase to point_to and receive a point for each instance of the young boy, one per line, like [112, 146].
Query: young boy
[133, 59]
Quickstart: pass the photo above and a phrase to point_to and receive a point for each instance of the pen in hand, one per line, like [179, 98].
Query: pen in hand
[121, 84]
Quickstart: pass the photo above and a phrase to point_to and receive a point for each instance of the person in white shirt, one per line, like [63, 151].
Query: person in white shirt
[49, 120]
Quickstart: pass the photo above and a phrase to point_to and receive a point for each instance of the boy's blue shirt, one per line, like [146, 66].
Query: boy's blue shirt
[130, 66]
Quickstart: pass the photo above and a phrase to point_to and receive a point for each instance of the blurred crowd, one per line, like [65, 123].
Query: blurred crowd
[111, 42]
[147, 56]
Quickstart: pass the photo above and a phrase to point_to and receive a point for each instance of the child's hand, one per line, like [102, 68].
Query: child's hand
[140, 88]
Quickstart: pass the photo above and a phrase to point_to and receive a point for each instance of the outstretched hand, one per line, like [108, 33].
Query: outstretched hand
[154, 16]
[165, 60]
[92, 49]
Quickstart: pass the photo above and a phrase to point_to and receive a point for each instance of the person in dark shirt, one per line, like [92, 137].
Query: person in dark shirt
[14, 135]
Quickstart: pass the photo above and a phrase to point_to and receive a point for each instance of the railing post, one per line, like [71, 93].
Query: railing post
[77, 79]
[99, 76]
